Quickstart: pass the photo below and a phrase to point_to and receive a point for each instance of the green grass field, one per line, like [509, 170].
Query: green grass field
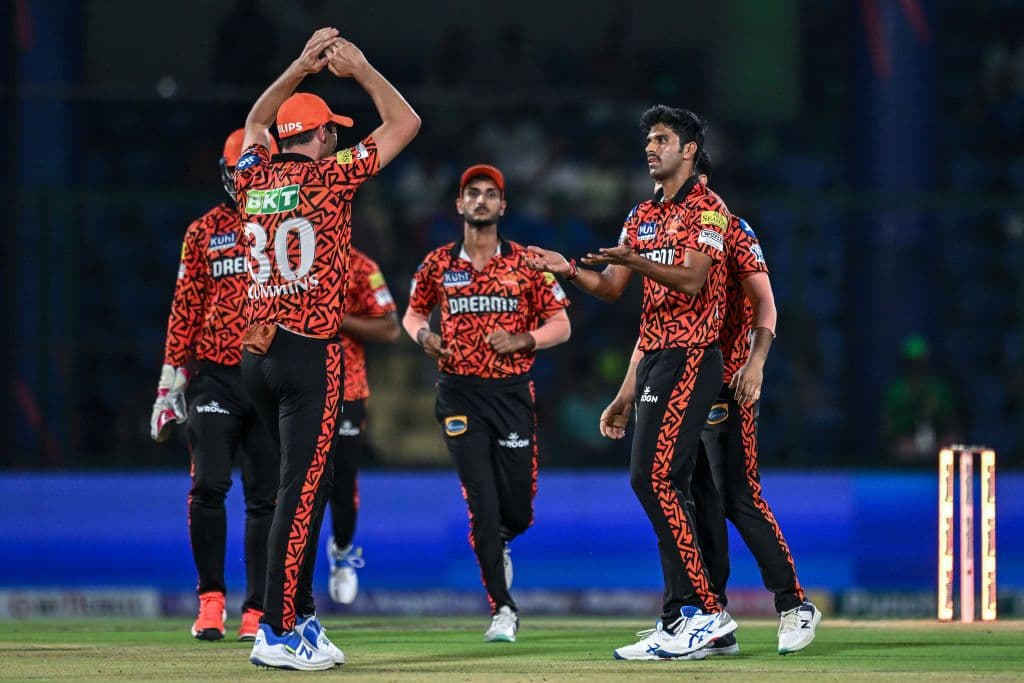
[549, 649]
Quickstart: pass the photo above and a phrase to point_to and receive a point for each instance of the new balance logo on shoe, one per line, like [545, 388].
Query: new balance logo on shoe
[212, 407]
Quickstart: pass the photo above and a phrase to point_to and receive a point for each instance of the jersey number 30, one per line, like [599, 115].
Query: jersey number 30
[307, 250]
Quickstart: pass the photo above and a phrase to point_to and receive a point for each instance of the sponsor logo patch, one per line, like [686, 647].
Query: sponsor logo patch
[557, 291]
[456, 425]
[274, 200]
[513, 441]
[222, 240]
[713, 218]
[712, 239]
[376, 279]
[348, 429]
[549, 278]
[348, 156]
[247, 160]
[457, 278]
[755, 249]
[745, 226]
[383, 297]
[718, 414]
[647, 230]
[648, 397]
[212, 407]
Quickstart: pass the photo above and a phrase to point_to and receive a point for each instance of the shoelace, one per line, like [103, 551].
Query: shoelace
[673, 627]
[354, 561]
[210, 608]
[790, 620]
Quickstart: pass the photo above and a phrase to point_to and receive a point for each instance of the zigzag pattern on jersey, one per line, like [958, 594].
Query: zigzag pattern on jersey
[207, 320]
[327, 189]
[665, 490]
[466, 333]
[536, 453]
[361, 300]
[748, 427]
[298, 534]
[742, 262]
[671, 319]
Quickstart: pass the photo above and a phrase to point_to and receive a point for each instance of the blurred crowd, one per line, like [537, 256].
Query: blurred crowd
[575, 168]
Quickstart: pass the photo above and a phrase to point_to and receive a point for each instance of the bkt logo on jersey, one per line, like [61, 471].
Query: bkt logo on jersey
[222, 240]
[647, 230]
[274, 200]
[666, 256]
[229, 266]
[457, 278]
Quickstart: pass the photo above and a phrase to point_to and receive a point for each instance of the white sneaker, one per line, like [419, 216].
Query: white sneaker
[796, 627]
[506, 556]
[314, 633]
[504, 625]
[344, 583]
[290, 651]
[648, 645]
[696, 631]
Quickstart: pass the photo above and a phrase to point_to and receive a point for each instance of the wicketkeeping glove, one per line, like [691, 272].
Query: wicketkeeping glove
[170, 402]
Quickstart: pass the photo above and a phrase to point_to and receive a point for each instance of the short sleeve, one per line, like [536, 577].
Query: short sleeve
[375, 298]
[253, 157]
[551, 297]
[745, 257]
[354, 165]
[423, 293]
[628, 234]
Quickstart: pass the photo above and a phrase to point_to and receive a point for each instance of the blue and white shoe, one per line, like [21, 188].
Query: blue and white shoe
[696, 631]
[796, 627]
[649, 644]
[344, 583]
[720, 647]
[290, 651]
[313, 633]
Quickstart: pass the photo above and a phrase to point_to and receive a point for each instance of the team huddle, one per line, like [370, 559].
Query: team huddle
[264, 357]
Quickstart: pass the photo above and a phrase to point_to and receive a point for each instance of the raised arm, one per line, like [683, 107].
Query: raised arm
[400, 120]
[312, 60]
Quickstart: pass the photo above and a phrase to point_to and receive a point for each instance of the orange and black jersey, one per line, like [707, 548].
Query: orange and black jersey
[663, 230]
[745, 259]
[368, 296]
[506, 294]
[206, 321]
[298, 230]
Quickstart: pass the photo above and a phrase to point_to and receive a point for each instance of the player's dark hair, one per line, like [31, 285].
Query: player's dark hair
[703, 164]
[687, 125]
[298, 139]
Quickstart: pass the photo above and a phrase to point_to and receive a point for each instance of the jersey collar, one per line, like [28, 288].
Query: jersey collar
[458, 250]
[289, 156]
[681, 196]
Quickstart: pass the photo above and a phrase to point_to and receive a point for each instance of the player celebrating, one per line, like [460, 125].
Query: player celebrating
[298, 208]
[675, 241]
[369, 316]
[204, 333]
[495, 314]
[729, 440]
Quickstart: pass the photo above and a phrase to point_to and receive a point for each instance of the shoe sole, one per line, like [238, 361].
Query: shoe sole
[724, 651]
[647, 658]
[802, 644]
[500, 639]
[209, 635]
[289, 665]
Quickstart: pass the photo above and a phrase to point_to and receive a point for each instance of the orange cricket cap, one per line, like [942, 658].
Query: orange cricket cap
[482, 170]
[233, 146]
[304, 112]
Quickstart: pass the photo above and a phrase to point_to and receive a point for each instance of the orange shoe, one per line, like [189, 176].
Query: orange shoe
[250, 624]
[210, 623]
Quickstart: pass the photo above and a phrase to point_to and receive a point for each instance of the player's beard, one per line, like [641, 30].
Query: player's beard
[479, 223]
